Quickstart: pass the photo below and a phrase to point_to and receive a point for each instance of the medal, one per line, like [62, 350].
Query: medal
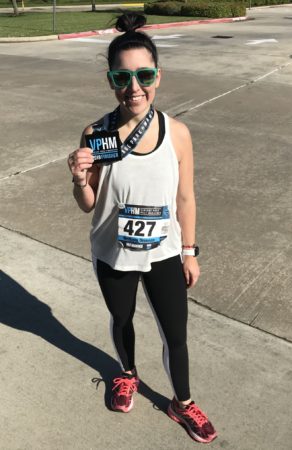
[105, 141]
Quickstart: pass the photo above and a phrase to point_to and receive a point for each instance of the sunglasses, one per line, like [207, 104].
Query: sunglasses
[122, 78]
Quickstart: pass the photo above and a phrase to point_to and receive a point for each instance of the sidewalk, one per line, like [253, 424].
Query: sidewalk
[55, 330]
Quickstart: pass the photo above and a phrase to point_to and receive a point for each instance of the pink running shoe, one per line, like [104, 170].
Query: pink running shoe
[194, 420]
[123, 390]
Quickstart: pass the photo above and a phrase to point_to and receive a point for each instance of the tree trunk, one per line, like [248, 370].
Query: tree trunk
[15, 7]
[93, 5]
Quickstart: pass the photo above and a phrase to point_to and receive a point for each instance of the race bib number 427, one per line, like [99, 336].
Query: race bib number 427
[142, 227]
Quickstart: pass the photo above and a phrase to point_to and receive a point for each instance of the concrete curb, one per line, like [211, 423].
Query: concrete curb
[153, 27]
[113, 30]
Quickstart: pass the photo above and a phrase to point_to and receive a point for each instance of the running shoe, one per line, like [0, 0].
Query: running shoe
[194, 420]
[123, 390]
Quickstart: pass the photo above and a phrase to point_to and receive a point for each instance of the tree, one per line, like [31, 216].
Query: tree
[15, 7]
[93, 5]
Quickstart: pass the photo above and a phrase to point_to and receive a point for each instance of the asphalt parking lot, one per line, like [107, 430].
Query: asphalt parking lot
[231, 84]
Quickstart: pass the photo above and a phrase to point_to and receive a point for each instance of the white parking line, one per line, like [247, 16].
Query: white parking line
[94, 40]
[157, 37]
[277, 69]
[260, 41]
[90, 40]
[167, 45]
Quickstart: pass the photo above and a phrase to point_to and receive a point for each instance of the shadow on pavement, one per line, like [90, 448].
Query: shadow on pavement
[23, 311]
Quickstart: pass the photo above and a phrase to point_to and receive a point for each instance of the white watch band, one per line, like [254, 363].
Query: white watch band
[188, 252]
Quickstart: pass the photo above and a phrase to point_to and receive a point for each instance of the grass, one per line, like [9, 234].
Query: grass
[36, 3]
[41, 24]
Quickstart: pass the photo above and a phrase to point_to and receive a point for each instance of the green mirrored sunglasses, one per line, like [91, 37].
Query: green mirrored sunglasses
[122, 78]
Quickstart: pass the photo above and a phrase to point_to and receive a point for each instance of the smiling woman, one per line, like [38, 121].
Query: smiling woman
[137, 176]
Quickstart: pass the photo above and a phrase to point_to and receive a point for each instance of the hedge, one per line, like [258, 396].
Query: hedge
[246, 2]
[252, 2]
[169, 1]
[196, 9]
[206, 8]
[172, 8]
[257, 2]
[267, 2]
[214, 10]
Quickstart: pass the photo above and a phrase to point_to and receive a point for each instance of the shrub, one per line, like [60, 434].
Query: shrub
[238, 9]
[246, 2]
[213, 10]
[163, 8]
[170, 1]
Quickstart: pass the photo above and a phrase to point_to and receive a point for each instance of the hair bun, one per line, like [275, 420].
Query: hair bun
[130, 22]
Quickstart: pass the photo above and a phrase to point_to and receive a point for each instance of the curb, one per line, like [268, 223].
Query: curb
[153, 27]
[113, 30]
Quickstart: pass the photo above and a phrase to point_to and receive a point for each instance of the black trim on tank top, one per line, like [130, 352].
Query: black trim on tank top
[161, 134]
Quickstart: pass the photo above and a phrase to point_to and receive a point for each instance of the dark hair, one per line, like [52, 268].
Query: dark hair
[128, 23]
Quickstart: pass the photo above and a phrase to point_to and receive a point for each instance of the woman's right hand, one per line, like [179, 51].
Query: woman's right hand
[79, 162]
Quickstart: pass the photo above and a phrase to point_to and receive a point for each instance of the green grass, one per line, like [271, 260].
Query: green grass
[40, 24]
[32, 3]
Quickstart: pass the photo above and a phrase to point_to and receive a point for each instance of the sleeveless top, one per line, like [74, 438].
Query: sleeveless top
[134, 221]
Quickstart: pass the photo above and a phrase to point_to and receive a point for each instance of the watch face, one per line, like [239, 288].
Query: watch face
[197, 250]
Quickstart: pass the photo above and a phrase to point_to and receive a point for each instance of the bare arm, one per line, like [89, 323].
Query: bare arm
[85, 174]
[186, 204]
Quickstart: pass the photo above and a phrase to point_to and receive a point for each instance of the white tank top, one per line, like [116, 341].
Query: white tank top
[135, 222]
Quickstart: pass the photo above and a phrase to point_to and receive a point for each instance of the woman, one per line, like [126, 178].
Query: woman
[144, 218]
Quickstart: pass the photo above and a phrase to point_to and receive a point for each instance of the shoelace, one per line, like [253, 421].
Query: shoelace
[196, 414]
[97, 381]
[126, 386]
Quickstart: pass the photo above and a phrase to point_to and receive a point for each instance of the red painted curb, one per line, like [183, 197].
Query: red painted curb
[153, 27]
[75, 35]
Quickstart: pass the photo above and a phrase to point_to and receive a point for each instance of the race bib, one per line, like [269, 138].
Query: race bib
[142, 227]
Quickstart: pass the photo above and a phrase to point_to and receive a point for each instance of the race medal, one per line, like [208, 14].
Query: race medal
[142, 227]
[105, 145]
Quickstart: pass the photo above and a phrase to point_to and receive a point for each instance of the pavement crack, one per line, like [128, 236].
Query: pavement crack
[251, 323]
[44, 243]
[244, 85]
[20, 172]
[247, 324]
[251, 283]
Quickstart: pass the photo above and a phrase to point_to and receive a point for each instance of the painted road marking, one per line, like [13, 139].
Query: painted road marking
[166, 45]
[91, 40]
[95, 40]
[188, 103]
[260, 41]
[157, 37]
[106, 41]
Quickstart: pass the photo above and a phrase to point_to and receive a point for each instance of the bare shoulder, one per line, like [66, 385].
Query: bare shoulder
[179, 127]
[181, 137]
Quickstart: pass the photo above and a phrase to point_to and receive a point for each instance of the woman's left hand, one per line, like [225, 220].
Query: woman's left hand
[191, 270]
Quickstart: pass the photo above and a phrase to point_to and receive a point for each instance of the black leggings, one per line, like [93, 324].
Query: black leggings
[165, 288]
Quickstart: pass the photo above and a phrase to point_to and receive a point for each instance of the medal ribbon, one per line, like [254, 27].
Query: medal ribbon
[136, 135]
